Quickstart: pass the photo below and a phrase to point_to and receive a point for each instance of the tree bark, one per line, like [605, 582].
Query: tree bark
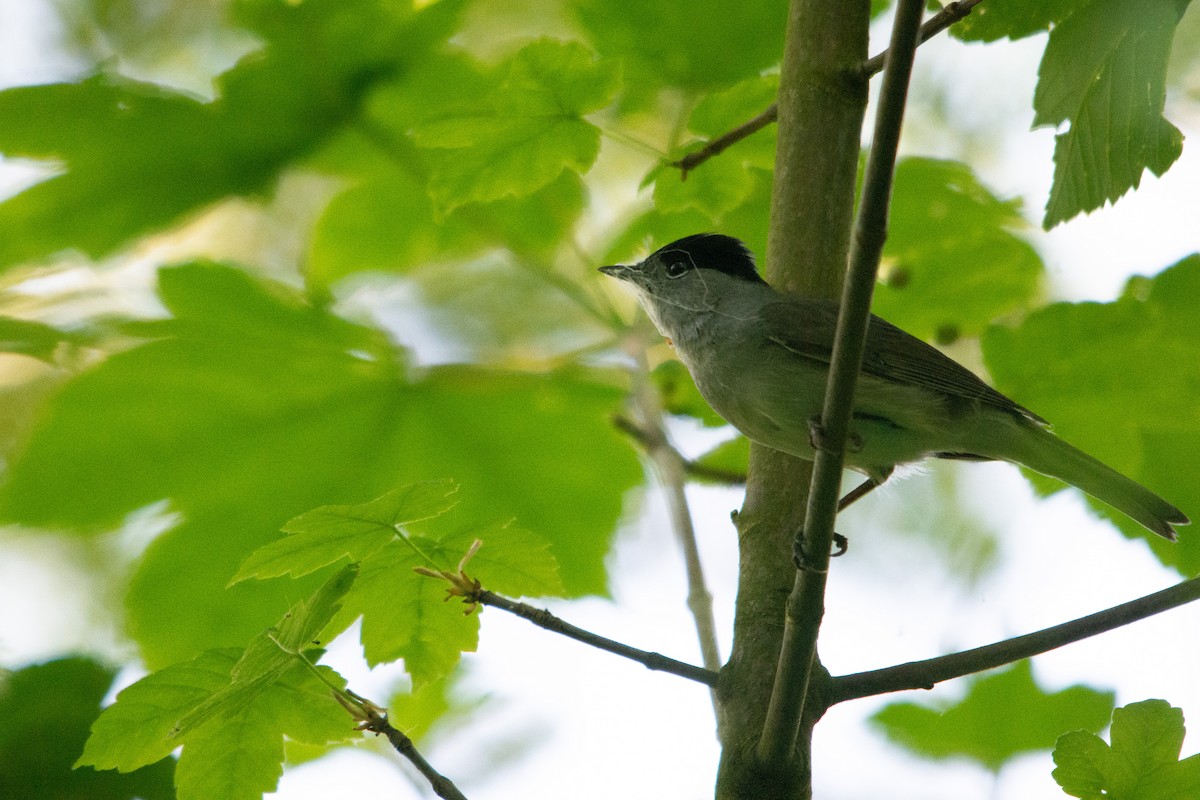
[822, 100]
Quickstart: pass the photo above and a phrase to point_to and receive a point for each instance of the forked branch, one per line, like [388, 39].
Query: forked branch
[939, 22]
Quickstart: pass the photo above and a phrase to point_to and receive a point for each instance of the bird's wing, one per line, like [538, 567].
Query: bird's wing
[805, 327]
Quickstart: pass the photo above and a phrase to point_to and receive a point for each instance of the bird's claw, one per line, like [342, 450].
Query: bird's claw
[800, 557]
[818, 440]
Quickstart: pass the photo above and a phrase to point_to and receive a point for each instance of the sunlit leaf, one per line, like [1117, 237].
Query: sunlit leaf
[1104, 74]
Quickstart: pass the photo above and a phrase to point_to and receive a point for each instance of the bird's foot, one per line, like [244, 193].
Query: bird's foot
[800, 556]
[818, 440]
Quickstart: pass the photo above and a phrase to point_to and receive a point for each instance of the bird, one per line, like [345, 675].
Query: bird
[761, 359]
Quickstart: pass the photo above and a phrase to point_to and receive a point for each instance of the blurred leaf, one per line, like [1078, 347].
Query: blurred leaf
[680, 396]
[747, 42]
[1104, 73]
[136, 156]
[719, 112]
[951, 259]
[388, 224]
[1118, 380]
[254, 407]
[731, 457]
[420, 711]
[713, 188]
[30, 338]
[528, 131]
[240, 759]
[649, 231]
[1141, 764]
[1012, 19]
[1003, 715]
[471, 306]
[45, 712]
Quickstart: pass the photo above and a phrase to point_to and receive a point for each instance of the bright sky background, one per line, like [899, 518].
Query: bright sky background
[600, 727]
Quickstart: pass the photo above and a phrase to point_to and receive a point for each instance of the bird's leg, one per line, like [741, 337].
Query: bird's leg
[840, 543]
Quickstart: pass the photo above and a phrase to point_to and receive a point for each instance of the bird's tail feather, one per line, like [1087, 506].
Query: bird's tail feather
[1044, 452]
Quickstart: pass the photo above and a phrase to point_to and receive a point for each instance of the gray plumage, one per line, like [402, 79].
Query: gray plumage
[761, 358]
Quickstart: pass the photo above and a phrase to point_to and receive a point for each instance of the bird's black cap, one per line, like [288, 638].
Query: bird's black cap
[714, 251]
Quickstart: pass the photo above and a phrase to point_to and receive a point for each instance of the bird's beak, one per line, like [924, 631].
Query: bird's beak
[616, 271]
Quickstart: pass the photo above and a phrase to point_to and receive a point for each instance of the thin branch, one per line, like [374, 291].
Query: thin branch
[377, 722]
[925, 674]
[725, 140]
[671, 474]
[950, 14]
[726, 477]
[805, 605]
[939, 22]
[544, 619]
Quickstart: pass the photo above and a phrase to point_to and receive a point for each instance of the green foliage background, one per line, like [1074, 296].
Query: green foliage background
[433, 189]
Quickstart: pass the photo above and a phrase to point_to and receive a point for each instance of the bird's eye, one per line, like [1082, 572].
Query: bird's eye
[676, 269]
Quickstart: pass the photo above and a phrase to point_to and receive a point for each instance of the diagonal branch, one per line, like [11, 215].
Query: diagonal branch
[544, 619]
[925, 674]
[442, 786]
[939, 22]
[805, 606]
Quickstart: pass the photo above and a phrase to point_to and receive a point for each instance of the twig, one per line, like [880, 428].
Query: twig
[671, 473]
[727, 477]
[925, 674]
[950, 14]
[376, 721]
[473, 594]
[805, 605]
[939, 22]
[718, 145]
[544, 619]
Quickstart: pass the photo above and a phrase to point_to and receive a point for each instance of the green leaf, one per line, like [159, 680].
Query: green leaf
[702, 54]
[1117, 379]
[328, 534]
[951, 262]
[136, 157]
[45, 712]
[719, 112]
[31, 338]
[1104, 73]
[1141, 764]
[253, 407]
[680, 395]
[713, 188]
[1003, 715]
[512, 561]
[730, 457]
[272, 654]
[406, 615]
[528, 131]
[260, 694]
[434, 705]
[1012, 19]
